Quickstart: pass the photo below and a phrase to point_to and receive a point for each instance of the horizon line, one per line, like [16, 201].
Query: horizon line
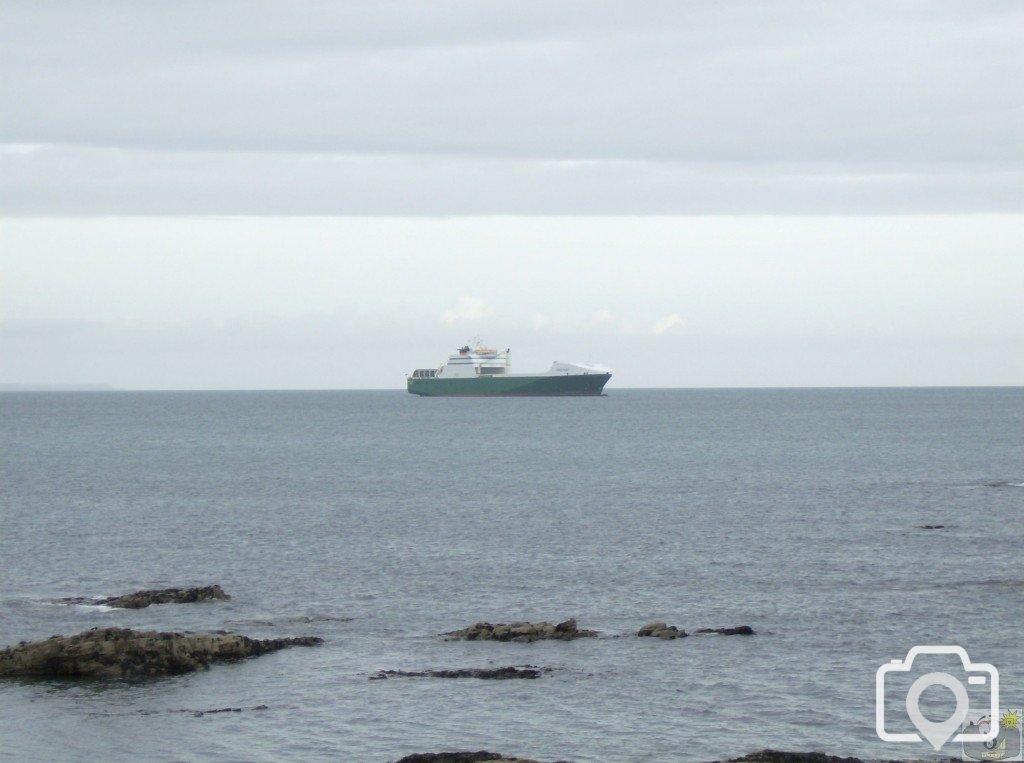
[104, 388]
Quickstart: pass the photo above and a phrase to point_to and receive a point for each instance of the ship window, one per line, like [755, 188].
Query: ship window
[491, 370]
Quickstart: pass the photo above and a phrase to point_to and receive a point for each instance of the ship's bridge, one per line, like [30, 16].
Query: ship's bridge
[469, 362]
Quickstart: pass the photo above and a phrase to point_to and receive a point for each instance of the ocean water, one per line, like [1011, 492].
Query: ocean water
[377, 520]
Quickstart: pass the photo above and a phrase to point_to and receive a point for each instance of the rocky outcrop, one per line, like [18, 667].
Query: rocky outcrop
[779, 756]
[142, 599]
[739, 630]
[762, 756]
[522, 631]
[127, 654]
[528, 671]
[660, 630]
[462, 757]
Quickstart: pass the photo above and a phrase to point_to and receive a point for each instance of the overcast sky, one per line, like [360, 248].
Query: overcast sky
[262, 195]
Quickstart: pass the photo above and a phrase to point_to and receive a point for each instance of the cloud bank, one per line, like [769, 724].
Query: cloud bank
[467, 107]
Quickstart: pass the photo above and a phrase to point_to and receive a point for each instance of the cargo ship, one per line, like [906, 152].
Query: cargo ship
[483, 371]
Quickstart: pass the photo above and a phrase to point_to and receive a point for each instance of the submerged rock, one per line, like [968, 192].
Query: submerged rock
[201, 713]
[660, 630]
[127, 654]
[142, 599]
[521, 631]
[739, 630]
[528, 671]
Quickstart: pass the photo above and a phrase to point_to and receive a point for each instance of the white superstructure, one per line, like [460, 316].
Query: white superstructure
[470, 363]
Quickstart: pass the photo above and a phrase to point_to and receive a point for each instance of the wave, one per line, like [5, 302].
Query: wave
[80, 602]
[291, 620]
[991, 584]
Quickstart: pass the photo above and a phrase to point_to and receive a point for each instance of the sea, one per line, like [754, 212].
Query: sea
[378, 521]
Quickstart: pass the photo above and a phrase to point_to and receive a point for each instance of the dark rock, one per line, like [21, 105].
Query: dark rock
[778, 756]
[142, 599]
[740, 630]
[762, 756]
[528, 671]
[662, 631]
[462, 757]
[567, 626]
[521, 631]
[122, 653]
[932, 527]
[451, 757]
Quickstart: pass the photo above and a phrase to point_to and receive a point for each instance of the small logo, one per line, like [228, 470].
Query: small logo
[939, 732]
[1006, 745]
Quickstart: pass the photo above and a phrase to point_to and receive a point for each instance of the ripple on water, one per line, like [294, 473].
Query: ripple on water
[378, 522]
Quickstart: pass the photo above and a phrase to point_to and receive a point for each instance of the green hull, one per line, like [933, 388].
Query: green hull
[500, 386]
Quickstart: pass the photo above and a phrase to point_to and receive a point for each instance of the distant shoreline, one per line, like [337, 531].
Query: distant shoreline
[59, 388]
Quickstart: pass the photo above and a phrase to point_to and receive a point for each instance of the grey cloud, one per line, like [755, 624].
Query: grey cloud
[918, 104]
[66, 180]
